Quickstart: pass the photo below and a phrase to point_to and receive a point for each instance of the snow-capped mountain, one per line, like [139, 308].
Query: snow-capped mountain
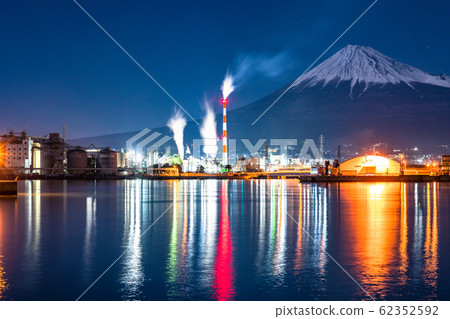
[365, 66]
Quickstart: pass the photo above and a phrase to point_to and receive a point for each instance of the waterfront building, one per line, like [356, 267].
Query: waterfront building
[370, 165]
[445, 163]
[16, 151]
[253, 164]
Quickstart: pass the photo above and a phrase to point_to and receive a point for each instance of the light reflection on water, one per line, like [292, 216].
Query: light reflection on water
[90, 238]
[223, 268]
[225, 240]
[373, 232]
[32, 249]
[3, 282]
[132, 276]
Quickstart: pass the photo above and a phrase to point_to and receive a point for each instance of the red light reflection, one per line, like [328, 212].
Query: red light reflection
[223, 270]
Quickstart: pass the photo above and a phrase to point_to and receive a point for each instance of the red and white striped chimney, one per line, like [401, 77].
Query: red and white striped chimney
[224, 135]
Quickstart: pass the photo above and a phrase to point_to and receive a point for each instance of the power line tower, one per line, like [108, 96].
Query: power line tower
[65, 145]
[321, 145]
[266, 157]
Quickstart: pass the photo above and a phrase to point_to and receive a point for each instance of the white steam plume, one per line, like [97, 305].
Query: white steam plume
[227, 85]
[208, 132]
[251, 66]
[177, 123]
[248, 67]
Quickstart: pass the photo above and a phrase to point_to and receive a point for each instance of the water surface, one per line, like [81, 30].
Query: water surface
[225, 240]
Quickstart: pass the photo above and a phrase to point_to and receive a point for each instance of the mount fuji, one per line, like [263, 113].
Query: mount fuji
[365, 66]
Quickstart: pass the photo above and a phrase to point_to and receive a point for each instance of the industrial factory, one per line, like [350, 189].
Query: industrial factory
[21, 154]
[149, 154]
[146, 155]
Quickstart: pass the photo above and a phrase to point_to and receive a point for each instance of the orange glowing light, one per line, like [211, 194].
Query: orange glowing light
[3, 282]
[2, 155]
[370, 212]
[376, 190]
[403, 245]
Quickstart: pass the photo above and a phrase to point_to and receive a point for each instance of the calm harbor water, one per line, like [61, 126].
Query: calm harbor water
[225, 240]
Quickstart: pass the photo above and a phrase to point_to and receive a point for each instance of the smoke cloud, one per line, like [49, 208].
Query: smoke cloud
[208, 131]
[227, 85]
[250, 66]
[176, 124]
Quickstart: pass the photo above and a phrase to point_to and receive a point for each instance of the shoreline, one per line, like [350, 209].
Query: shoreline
[301, 178]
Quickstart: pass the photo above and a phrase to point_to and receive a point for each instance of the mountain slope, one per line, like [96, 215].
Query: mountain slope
[366, 66]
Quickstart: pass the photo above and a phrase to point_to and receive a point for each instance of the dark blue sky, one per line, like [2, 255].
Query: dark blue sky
[57, 66]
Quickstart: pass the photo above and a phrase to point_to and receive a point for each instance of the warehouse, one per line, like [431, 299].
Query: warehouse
[370, 165]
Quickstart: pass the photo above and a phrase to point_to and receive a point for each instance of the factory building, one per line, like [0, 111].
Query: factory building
[16, 151]
[152, 158]
[420, 170]
[253, 164]
[445, 164]
[370, 165]
[142, 148]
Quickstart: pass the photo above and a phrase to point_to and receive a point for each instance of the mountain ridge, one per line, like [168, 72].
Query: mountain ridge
[365, 65]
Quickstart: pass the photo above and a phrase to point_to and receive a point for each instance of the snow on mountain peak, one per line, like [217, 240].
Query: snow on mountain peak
[366, 66]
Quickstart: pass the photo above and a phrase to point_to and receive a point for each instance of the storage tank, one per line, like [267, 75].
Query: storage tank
[52, 154]
[48, 160]
[77, 161]
[107, 160]
[121, 159]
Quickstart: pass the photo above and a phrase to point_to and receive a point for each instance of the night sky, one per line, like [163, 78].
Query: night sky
[57, 66]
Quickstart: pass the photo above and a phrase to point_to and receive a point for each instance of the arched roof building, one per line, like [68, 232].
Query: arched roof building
[370, 165]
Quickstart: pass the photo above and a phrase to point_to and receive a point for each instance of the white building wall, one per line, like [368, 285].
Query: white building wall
[19, 155]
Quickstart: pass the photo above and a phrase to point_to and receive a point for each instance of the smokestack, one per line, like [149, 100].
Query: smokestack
[224, 135]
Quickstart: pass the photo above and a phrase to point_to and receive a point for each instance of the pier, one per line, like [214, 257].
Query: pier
[8, 188]
[400, 178]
